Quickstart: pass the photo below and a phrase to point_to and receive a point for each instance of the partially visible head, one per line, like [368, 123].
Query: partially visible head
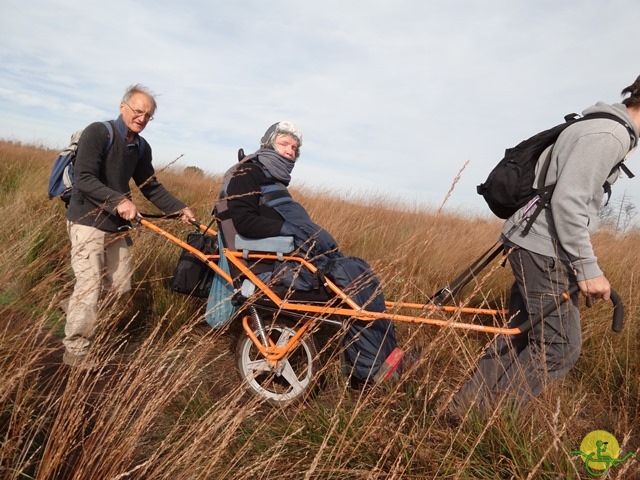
[633, 90]
[283, 137]
[137, 107]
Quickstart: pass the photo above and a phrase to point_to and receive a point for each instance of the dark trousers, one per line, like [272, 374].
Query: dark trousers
[516, 368]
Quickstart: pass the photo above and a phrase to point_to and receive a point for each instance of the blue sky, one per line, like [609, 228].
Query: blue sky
[392, 98]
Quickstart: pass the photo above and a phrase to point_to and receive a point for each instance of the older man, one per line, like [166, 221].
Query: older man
[108, 157]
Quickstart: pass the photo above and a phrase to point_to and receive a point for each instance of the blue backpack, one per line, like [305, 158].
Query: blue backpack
[61, 178]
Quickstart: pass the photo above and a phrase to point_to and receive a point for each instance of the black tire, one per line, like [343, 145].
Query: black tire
[291, 379]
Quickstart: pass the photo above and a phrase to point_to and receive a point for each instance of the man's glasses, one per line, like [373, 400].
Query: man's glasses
[139, 113]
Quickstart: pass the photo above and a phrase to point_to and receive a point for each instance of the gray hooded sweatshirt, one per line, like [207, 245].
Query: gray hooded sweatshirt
[582, 160]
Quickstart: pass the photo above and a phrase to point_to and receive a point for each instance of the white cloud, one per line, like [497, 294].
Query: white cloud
[391, 96]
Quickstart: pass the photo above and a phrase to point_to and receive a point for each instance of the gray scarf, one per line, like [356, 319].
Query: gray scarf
[277, 165]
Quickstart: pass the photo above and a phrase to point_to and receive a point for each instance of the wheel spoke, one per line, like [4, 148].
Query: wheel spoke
[259, 365]
[290, 376]
[284, 382]
[284, 338]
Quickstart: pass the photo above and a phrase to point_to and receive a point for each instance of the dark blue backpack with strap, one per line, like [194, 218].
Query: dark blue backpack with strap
[61, 178]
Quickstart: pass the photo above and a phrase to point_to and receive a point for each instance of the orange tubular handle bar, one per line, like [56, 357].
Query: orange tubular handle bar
[353, 310]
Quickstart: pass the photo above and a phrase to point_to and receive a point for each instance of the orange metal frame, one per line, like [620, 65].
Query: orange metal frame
[348, 309]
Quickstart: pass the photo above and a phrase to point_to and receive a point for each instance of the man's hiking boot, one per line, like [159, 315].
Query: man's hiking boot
[78, 361]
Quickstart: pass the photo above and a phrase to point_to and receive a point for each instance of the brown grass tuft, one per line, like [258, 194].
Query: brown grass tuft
[167, 403]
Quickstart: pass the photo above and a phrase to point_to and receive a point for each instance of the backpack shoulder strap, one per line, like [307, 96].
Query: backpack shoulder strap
[573, 118]
[615, 118]
[109, 128]
[142, 143]
[142, 146]
[625, 169]
[545, 192]
[620, 165]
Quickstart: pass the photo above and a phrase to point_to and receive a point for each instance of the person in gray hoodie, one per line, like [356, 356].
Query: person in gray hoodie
[553, 256]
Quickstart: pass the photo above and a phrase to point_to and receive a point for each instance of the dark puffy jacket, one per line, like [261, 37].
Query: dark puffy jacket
[254, 205]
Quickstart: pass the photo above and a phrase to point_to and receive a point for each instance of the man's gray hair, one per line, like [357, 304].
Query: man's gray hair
[139, 88]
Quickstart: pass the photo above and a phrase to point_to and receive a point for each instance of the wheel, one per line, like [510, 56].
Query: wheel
[290, 379]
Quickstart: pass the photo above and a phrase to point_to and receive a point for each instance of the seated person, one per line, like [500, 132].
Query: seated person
[255, 203]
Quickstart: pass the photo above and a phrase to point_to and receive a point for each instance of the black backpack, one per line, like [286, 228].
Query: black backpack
[510, 185]
[192, 276]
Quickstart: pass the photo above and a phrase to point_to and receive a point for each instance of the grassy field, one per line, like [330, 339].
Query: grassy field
[168, 403]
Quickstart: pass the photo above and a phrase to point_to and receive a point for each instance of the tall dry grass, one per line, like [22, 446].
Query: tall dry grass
[167, 402]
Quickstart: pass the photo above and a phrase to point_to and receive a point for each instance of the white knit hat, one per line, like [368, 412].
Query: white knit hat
[280, 128]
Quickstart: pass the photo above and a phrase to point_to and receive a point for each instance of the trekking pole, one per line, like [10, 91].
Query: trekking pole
[452, 289]
[618, 310]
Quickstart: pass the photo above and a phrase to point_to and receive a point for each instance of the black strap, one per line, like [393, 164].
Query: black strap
[444, 294]
[172, 216]
[626, 170]
[607, 189]
[160, 215]
[544, 198]
[545, 192]
[213, 219]
[275, 195]
[221, 216]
